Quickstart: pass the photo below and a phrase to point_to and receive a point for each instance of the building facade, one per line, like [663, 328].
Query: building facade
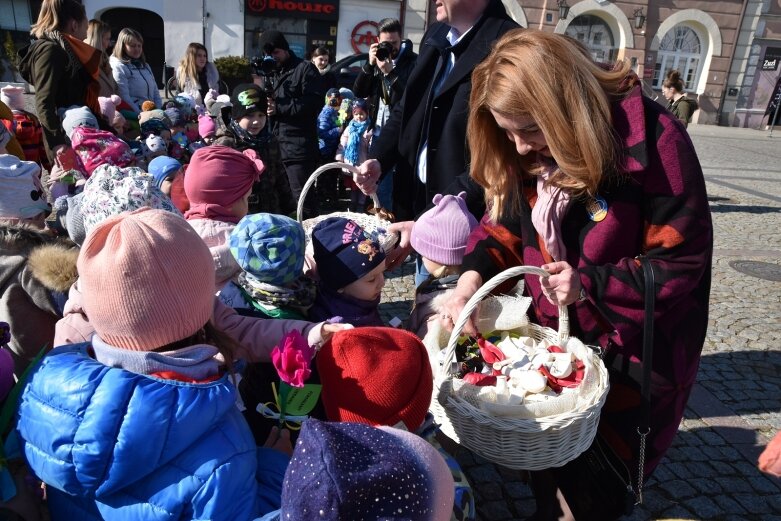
[728, 52]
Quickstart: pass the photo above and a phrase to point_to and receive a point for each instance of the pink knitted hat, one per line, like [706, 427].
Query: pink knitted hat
[108, 106]
[136, 272]
[440, 234]
[206, 126]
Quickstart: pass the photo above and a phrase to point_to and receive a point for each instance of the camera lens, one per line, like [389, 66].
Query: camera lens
[384, 50]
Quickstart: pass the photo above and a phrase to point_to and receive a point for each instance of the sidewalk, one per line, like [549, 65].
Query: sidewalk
[735, 408]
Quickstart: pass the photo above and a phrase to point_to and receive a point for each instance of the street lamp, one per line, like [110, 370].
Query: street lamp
[563, 9]
[639, 18]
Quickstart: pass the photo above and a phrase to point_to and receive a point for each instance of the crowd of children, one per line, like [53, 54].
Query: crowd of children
[133, 262]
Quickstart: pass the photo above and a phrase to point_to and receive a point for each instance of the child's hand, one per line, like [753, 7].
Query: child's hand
[279, 439]
[397, 255]
[329, 330]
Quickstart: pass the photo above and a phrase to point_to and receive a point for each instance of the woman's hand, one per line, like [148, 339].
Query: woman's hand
[563, 286]
[468, 284]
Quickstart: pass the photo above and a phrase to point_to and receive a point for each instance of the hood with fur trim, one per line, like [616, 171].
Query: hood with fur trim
[36, 270]
[51, 261]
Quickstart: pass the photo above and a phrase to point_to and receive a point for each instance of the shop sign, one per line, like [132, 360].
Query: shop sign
[770, 62]
[320, 10]
[364, 34]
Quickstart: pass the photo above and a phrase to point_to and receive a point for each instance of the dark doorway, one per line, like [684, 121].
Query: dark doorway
[150, 25]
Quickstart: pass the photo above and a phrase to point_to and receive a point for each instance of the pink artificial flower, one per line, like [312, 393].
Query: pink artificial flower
[291, 359]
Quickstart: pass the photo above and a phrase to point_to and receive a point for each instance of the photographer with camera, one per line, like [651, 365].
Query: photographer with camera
[295, 96]
[383, 78]
[382, 81]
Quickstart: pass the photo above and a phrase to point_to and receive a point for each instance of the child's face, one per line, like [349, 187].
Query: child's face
[369, 286]
[431, 266]
[253, 122]
[359, 116]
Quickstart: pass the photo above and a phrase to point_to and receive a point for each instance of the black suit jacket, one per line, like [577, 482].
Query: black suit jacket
[401, 138]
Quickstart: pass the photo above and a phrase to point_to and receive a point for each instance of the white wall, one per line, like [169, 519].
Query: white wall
[183, 24]
[352, 12]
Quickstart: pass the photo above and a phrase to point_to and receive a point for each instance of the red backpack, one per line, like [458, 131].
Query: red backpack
[29, 133]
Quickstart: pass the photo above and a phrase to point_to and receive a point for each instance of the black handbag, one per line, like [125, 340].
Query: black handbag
[597, 484]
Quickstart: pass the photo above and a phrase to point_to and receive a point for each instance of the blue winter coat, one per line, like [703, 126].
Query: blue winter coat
[328, 132]
[116, 445]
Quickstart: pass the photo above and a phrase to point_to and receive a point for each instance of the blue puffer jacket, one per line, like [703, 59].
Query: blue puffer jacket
[328, 132]
[116, 445]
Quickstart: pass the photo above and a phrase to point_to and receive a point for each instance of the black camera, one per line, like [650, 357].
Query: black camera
[334, 102]
[263, 66]
[384, 51]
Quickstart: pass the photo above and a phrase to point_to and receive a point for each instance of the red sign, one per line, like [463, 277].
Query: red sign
[364, 34]
[325, 9]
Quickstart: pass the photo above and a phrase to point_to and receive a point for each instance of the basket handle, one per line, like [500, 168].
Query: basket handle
[481, 293]
[312, 178]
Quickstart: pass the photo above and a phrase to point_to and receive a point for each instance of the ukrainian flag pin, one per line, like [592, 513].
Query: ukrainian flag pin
[597, 209]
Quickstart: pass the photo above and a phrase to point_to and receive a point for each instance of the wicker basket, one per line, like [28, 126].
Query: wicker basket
[512, 440]
[371, 223]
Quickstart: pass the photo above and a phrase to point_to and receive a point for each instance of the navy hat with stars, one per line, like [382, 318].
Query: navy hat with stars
[344, 252]
[358, 472]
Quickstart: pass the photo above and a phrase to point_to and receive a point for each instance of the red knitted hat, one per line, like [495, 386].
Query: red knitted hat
[375, 375]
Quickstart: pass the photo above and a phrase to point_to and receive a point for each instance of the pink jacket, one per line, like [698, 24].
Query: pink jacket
[256, 336]
[215, 234]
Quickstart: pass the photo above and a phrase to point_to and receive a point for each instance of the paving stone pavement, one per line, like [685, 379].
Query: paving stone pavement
[710, 472]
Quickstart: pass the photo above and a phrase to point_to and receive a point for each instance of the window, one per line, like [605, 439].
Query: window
[595, 34]
[15, 15]
[680, 49]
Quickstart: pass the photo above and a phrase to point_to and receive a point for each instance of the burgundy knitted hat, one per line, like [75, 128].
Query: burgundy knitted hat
[375, 375]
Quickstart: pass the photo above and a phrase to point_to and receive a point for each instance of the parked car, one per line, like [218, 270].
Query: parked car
[347, 69]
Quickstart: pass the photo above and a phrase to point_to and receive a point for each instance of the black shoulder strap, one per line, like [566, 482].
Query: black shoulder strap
[648, 342]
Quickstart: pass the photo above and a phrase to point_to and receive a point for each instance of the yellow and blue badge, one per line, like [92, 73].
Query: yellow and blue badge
[597, 209]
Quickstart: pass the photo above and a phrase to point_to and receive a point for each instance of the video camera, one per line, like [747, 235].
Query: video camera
[384, 51]
[264, 67]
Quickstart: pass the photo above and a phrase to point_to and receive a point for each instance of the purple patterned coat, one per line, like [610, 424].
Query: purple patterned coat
[658, 208]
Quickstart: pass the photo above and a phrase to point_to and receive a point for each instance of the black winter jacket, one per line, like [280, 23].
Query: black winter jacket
[369, 82]
[299, 95]
[401, 138]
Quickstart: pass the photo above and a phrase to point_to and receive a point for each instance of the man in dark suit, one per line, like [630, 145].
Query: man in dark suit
[425, 137]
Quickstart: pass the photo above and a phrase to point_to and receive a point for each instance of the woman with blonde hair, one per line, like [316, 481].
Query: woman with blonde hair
[63, 69]
[99, 37]
[583, 175]
[196, 74]
[131, 71]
